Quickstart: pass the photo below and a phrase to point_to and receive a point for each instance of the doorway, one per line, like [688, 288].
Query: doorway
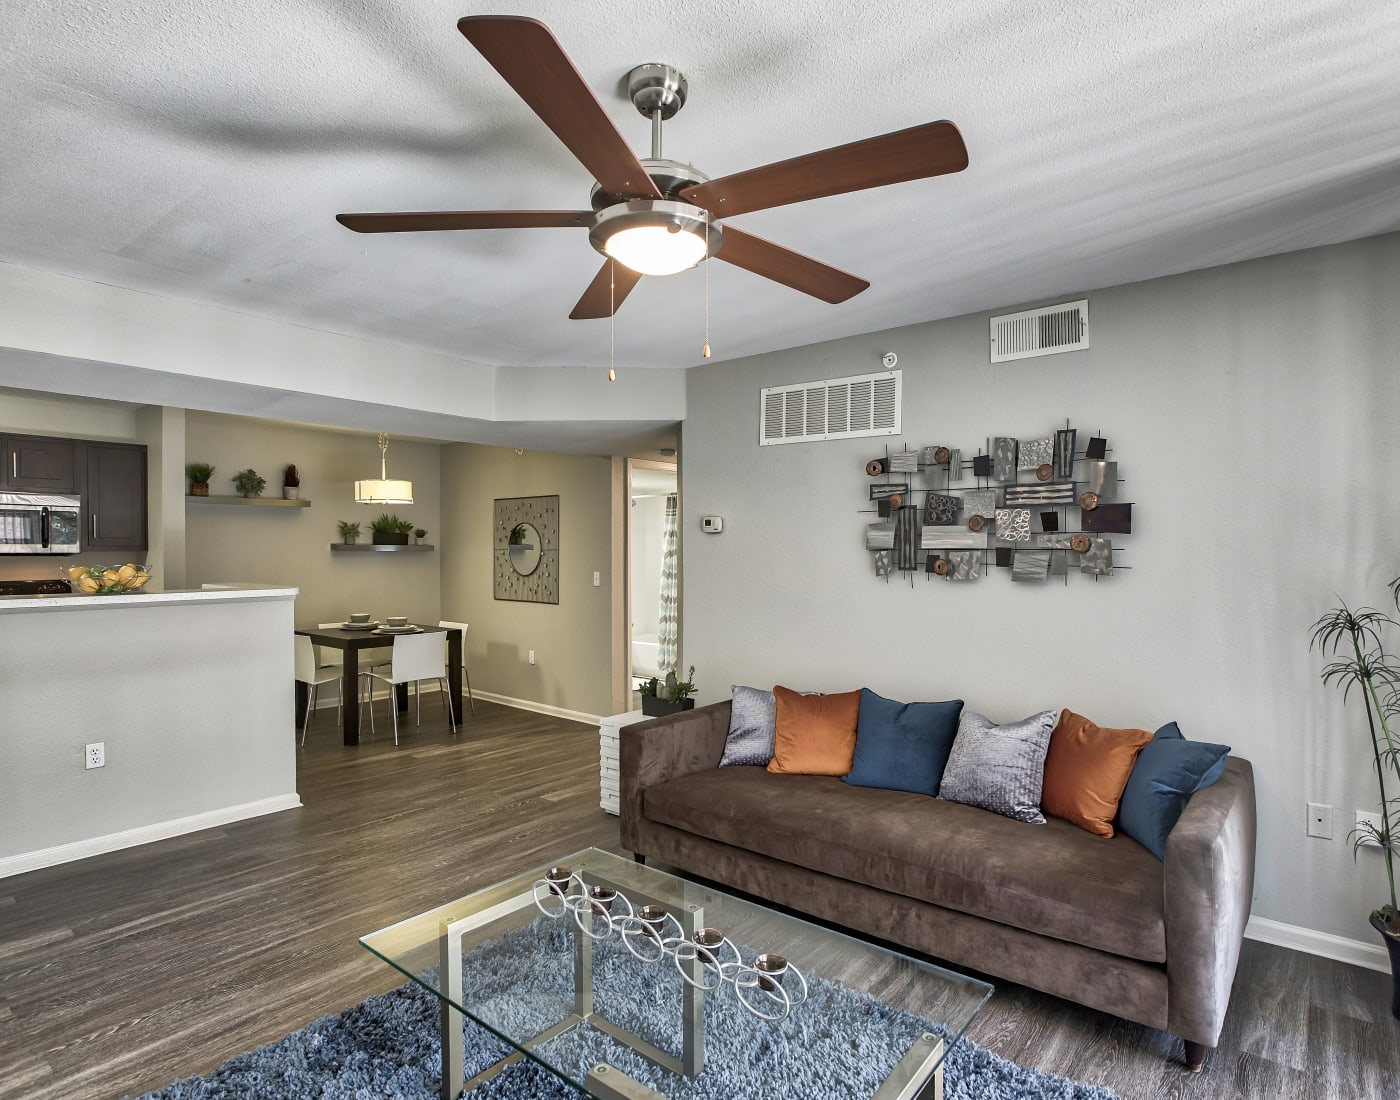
[653, 569]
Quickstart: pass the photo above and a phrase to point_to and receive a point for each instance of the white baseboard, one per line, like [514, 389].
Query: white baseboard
[1358, 953]
[145, 834]
[539, 708]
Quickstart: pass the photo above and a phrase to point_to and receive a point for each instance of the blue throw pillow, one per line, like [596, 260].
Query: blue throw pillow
[1168, 771]
[903, 746]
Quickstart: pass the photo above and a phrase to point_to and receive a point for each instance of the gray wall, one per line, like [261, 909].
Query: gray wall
[572, 640]
[1253, 411]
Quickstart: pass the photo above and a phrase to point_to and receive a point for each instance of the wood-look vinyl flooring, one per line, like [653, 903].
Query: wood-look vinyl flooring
[122, 972]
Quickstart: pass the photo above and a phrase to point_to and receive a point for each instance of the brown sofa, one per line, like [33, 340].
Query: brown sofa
[1100, 922]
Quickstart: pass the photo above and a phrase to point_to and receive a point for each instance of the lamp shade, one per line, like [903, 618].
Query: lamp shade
[655, 249]
[381, 491]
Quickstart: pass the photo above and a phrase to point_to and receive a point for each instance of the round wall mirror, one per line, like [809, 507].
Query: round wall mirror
[523, 548]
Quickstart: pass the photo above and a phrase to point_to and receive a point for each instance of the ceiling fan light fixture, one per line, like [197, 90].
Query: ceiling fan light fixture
[655, 236]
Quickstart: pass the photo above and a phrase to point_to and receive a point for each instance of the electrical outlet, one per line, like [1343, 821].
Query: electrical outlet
[532, 656]
[1365, 818]
[1320, 820]
[95, 755]
[597, 579]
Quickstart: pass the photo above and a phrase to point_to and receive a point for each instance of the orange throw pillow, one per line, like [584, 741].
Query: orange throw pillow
[1086, 769]
[815, 734]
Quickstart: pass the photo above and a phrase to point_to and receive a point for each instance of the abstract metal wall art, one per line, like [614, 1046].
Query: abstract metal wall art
[1033, 505]
[517, 523]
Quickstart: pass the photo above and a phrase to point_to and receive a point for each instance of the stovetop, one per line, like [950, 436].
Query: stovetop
[35, 588]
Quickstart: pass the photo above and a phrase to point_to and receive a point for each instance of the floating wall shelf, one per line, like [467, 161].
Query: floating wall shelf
[256, 502]
[421, 548]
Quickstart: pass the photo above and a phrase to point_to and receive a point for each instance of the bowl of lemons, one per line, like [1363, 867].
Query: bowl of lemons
[108, 580]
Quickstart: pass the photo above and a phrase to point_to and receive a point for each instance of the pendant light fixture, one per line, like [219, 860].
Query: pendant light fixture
[381, 490]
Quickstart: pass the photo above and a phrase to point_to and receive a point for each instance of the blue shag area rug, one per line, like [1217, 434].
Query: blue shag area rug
[839, 1045]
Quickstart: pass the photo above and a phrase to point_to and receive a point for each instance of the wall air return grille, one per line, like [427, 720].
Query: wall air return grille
[835, 408]
[1045, 331]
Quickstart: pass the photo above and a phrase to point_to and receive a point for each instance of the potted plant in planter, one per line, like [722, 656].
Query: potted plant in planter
[291, 483]
[668, 696]
[199, 474]
[1356, 638]
[420, 534]
[249, 483]
[390, 530]
[349, 532]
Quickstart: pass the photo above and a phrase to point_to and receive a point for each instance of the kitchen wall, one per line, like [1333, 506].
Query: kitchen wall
[1254, 411]
[291, 546]
[572, 639]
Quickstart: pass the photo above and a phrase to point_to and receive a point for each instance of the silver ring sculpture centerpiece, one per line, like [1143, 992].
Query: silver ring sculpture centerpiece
[770, 987]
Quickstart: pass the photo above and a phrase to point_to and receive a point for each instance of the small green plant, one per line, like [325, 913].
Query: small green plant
[1356, 638]
[199, 473]
[391, 525]
[519, 533]
[348, 531]
[676, 690]
[291, 479]
[420, 533]
[647, 690]
[249, 483]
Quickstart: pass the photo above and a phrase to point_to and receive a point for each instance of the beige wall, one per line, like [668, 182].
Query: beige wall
[291, 546]
[572, 640]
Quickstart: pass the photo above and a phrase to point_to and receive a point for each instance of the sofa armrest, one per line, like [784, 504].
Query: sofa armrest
[1209, 881]
[662, 749]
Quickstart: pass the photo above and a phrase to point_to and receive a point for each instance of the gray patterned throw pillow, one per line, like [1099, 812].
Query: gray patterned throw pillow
[751, 723]
[1000, 768]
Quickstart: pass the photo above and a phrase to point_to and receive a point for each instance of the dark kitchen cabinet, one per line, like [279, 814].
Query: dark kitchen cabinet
[39, 465]
[114, 496]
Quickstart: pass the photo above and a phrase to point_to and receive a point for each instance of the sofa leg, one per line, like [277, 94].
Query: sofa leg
[639, 858]
[1195, 1055]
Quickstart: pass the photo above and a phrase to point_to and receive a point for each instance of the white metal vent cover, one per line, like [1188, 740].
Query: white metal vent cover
[1048, 330]
[832, 408]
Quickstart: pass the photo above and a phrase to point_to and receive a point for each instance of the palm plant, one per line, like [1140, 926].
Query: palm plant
[1356, 639]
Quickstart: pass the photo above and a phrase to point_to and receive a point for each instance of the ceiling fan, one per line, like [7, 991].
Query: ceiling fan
[657, 216]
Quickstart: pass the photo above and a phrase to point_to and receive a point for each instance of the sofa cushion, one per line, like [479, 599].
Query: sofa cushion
[1055, 879]
[751, 718]
[999, 768]
[814, 734]
[903, 746]
[1168, 771]
[1086, 769]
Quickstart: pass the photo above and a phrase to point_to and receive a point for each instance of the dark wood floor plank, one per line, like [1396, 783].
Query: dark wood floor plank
[120, 973]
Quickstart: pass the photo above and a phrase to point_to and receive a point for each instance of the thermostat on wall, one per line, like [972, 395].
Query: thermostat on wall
[712, 525]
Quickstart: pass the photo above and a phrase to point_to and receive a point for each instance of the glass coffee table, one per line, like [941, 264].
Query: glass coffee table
[632, 984]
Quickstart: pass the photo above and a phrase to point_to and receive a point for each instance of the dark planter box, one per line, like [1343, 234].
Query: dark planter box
[654, 706]
[390, 538]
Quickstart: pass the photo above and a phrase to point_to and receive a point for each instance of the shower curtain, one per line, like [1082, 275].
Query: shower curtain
[669, 634]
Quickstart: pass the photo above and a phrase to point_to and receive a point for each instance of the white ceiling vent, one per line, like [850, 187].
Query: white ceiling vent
[835, 408]
[1048, 330]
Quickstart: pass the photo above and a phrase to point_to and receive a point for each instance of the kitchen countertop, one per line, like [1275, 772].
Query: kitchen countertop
[145, 599]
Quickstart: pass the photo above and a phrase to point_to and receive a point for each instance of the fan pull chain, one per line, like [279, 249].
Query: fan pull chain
[705, 351]
[612, 320]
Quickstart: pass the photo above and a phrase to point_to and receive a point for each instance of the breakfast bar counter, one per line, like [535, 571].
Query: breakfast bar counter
[187, 694]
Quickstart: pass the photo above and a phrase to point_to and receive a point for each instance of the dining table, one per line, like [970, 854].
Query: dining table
[352, 643]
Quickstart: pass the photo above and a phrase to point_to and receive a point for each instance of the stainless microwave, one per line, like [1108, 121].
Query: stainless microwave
[39, 523]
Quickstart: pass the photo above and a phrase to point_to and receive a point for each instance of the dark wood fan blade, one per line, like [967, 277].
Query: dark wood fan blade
[599, 294]
[534, 64]
[426, 221]
[933, 149]
[790, 268]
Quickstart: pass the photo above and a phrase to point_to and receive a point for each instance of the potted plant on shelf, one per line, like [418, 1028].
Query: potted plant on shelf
[420, 534]
[390, 530]
[668, 696]
[349, 532]
[249, 483]
[291, 483]
[199, 474]
[1356, 638]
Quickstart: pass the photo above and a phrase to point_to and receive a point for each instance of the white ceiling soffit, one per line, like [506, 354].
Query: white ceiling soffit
[201, 149]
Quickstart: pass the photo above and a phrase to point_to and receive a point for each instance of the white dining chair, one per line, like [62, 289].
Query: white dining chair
[466, 676]
[416, 657]
[307, 673]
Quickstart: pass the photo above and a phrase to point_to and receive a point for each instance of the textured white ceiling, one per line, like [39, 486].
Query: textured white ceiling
[201, 149]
